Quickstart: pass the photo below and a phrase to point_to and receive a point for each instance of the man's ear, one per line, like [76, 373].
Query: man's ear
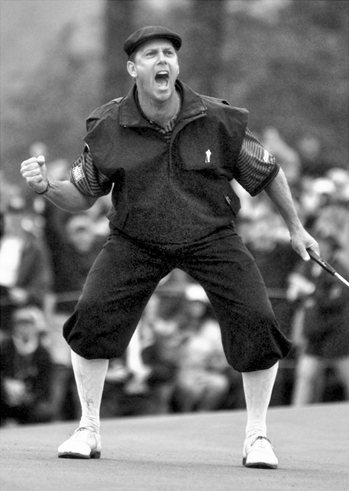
[131, 68]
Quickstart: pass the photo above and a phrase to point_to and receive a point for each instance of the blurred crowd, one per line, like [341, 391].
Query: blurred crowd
[175, 361]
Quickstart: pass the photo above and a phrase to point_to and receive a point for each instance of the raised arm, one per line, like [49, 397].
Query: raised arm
[279, 192]
[62, 193]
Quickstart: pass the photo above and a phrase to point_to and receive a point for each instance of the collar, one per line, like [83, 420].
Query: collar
[192, 106]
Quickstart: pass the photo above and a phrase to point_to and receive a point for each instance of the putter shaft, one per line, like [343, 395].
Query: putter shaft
[343, 280]
[324, 264]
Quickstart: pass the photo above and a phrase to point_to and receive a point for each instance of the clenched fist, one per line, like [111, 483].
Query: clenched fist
[35, 173]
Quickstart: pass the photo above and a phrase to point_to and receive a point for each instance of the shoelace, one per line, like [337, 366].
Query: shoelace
[262, 442]
[83, 428]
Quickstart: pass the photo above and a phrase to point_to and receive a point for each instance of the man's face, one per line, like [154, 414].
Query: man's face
[155, 69]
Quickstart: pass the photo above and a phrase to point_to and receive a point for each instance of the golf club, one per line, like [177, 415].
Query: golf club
[327, 266]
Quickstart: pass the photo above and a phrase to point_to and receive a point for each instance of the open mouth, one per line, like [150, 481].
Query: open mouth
[161, 78]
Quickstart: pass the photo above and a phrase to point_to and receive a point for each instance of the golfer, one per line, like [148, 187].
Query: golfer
[169, 155]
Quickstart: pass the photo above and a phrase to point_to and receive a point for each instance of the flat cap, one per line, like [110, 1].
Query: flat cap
[151, 32]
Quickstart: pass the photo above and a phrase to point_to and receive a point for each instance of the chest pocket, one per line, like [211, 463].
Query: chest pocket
[207, 152]
[204, 148]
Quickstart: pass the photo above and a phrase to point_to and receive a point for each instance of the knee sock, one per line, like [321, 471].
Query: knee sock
[89, 377]
[258, 387]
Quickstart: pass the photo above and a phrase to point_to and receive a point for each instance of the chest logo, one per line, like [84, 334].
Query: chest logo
[208, 156]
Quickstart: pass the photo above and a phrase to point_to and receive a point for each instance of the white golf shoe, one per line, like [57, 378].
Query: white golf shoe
[258, 452]
[85, 443]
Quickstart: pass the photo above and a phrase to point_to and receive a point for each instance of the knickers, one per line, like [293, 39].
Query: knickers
[127, 271]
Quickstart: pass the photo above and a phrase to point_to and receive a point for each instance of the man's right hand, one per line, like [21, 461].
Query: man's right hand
[35, 173]
[63, 194]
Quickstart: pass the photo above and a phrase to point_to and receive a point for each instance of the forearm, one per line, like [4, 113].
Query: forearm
[61, 193]
[279, 193]
[66, 196]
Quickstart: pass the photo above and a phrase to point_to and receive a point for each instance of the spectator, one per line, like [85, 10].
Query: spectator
[311, 153]
[316, 194]
[117, 400]
[275, 258]
[340, 179]
[6, 305]
[161, 354]
[326, 312]
[26, 370]
[142, 381]
[202, 381]
[79, 250]
[25, 266]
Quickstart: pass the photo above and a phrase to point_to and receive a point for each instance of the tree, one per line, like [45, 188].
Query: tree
[293, 74]
[52, 104]
[119, 23]
[206, 40]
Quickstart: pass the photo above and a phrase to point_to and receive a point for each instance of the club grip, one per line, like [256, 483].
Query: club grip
[320, 261]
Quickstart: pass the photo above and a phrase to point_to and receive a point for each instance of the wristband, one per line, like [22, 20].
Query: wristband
[47, 188]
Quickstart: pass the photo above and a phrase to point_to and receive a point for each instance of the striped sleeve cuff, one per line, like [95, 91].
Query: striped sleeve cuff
[256, 166]
[86, 177]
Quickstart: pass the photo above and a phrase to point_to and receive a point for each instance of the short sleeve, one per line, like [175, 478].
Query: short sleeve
[256, 167]
[87, 178]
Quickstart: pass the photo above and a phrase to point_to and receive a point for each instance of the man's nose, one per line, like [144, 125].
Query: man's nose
[161, 57]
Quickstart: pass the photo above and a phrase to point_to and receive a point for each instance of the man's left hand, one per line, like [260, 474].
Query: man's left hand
[301, 240]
